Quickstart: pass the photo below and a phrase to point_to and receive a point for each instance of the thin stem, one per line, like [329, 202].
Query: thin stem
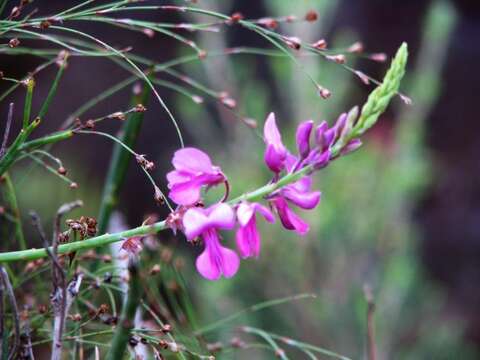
[30, 83]
[130, 306]
[53, 88]
[11, 199]
[7, 130]
[119, 163]
[13, 303]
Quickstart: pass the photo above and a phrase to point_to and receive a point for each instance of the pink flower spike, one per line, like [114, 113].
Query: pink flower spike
[275, 153]
[198, 220]
[193, 169]
[319, 131]
[248, 236]
[303, 138]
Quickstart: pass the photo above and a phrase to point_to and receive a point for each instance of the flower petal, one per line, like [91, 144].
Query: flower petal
[289, 219]
[245, 212]
[187, 193]
[275, 152]
[221, 216]
[195, 222]
[305, 200]
[248, 240]
[267, 214]
[303, 138]
[192, 160]
[216, 259]
[270, 131]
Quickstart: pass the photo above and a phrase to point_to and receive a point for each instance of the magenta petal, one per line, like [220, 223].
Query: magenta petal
[267, 214]
[187, 193]
[340, 124]
[248, 240]
[275, 153]
[192, 160]
[245, 212]
[216, 260]
[289, 219]
[195, 222]
[175, 177]
[352, 145]
[303, 138]
[221, 216]
[305, 200]
[319, 131]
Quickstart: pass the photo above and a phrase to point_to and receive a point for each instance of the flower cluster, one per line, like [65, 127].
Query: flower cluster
[195, 171]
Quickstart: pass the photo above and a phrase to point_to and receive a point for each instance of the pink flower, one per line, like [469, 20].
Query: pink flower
[215, 260]
[248, 237]
[303, 138]
[275, 153]
[193, 169]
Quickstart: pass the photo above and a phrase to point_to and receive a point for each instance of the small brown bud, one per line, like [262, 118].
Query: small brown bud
[103, 308]
[269, 23]
[311, 16]
[140, 108]
[149, 32]
[355, 48]
[15, 12]
[117, 115]
[293, 42]
[42, 308]
[339, 59]
[162, 344]
[324, 93]
[133, 341]
[378, 57]
[236, 17]
[362, 77]
[77, 317]
[45, 24]
[320, 44]
[155, 269]
[202, 54]
[13, 43]
[229, 102]
[90, 124]
[251, 123]
[62, 171]
[166, 328]
[73, 185]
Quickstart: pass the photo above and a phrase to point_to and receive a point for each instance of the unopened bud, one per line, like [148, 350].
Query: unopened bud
[140, 108]
[236, 17]
[62, 171]
[229, 102]
[339, 59]
[45, 24]
[73, 185]
[320, 44]
[355, 48]
[117, 115]
[197, 99]
[378, 57]
[155, 269]
[362, 77]
[311, 16]
[13, 43]
[269, 23]
[324, 92]
[90, 124]
[293, 42]
[202, 54]
[149, 32]
[158, 196]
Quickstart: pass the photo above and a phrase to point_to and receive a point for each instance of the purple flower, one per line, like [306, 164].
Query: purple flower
[299, 193]
[215, 260]
[193, 169]
[275, 153]
[303, 138]
[248, 237]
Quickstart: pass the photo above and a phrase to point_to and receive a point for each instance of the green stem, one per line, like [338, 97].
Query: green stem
[119, 162]
[28, 102]
[11, 199]
[130, 306]
[53, 88]
[14, 149]
[49, 139]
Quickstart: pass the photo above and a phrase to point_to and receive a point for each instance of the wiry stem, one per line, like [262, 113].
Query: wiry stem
[7, 130]
[13, 303]
[132, 301]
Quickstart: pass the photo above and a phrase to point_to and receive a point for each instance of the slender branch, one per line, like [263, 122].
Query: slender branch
[13, 303]
[126, 324]
[11, 198]
[30, 83]
[7, 130]
[371, 345]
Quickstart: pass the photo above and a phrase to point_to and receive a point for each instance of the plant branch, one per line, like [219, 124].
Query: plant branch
[13, 303]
